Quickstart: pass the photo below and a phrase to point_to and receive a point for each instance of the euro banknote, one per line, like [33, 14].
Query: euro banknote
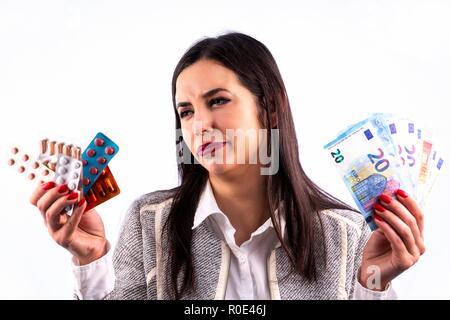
[381, 154]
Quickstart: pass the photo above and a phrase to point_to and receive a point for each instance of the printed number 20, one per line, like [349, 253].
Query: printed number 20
[337, 156]
[380, 165]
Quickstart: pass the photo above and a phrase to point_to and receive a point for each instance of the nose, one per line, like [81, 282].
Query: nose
[203, 121]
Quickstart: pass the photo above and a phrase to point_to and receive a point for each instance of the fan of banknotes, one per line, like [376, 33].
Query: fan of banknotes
[383, 153]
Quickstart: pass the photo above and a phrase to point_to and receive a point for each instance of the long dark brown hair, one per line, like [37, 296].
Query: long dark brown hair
[257, 70]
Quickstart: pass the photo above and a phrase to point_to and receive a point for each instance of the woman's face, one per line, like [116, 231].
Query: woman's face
[215, 107]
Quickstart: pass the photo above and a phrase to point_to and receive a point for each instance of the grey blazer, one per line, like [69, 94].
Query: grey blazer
[140, 262]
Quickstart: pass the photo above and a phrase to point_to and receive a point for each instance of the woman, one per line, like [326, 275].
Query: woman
[229, 231]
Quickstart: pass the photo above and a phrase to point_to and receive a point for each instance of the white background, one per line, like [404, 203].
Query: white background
[69, 69]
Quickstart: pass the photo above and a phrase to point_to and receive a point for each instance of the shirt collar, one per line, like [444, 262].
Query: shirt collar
[207, 206]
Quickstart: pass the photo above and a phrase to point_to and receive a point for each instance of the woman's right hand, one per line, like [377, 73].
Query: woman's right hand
[82, 233]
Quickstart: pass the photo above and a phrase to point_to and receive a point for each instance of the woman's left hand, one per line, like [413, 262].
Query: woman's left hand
[396, 245]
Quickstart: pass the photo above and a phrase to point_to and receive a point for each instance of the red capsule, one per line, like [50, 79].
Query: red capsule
[25, 157]
[85, 163]
[86, 181]
[93, 171]
[101, 160]
[14, 150]
[109, 150]
[91, 153]
[31, 176]
[99, 142]
[21, 169]
[11, 162]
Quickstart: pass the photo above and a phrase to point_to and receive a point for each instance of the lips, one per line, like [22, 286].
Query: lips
[209, 147]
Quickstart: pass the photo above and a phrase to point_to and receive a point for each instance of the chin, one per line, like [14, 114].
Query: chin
[218, 169]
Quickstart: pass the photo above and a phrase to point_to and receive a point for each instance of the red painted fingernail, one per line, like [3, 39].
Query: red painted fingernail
[379, 207]
[385, 198]
[72, 196]
[377, 217]
[63, 188]
[402, 193]
[82, 201]
[48, 185]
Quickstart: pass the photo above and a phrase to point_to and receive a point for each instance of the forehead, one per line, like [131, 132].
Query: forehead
[203, 76]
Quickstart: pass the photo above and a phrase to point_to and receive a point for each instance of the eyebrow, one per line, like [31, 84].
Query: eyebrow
[204, 96]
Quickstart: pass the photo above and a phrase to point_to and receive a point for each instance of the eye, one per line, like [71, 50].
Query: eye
[218, 101]
[184, 113]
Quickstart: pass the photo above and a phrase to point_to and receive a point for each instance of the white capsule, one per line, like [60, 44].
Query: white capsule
[72, 186]
[63, 160]
[77, 165]
[60, 180]
[75, 175]
[62, 170]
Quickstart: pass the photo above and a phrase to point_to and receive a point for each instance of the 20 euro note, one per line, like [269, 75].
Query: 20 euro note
[427, 148]
[365, 158]
[434, 169]
[404, 134]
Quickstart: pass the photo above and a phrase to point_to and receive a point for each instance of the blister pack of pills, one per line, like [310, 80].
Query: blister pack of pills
[64, 164]
[65, 160]
[32, 169]
[50, 151]
[95, 159]
[103, 189]
[69, 168]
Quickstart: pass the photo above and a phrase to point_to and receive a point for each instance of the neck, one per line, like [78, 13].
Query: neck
[242, 197]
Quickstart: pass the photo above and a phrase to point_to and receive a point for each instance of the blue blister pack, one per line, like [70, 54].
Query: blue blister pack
[95, 158]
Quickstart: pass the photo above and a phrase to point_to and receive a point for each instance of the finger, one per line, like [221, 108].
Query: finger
[56, 215]
[406, 216]
[77, 213]
[396, 242]
[401, 228]
[40, 190]
[50, 197]
[412, 207]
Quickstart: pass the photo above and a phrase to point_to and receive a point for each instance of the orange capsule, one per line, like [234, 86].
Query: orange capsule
[52, 166]
[44, 144]
[109, 185]
[52, 145]
[92, 196]
[100, 190]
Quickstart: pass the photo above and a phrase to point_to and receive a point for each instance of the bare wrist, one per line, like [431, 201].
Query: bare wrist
[94, 254]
